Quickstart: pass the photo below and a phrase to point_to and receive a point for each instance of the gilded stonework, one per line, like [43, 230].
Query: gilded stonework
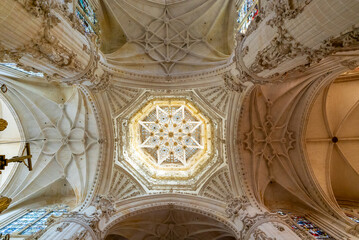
[171, 135]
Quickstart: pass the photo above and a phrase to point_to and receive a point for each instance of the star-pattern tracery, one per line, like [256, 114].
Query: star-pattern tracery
[167, 40]
[172, 133]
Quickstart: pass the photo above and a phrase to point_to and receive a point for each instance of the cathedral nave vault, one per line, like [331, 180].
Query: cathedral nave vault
[177, 119]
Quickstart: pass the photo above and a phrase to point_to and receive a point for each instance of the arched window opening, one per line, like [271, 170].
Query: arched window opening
[10, 140]
[248, 10]
[353, 218]
[16, 67]
[304, 224]
[85, 12]
[32, 221]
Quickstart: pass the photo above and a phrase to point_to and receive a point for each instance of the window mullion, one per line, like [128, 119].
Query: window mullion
[249, 11]
[32, 223]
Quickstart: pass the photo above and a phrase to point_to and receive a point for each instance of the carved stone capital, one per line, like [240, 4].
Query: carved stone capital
[105, 206]
[235, 205]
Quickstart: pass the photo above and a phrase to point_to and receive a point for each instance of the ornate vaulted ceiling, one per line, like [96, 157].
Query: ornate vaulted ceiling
[332, 139]
[166, 38]
[168, 124]
[170, 224]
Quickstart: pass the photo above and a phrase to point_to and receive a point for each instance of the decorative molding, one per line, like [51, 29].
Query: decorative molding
[123, 186]
[284, 47]
[105, 205]
[281, 48]
[260, 235]
[83, 235]
[189, 80]
[176, 205]
[350, 64]
[46, 45]
[172, 223]
[120, 97]
[217, 96]
[235, 205]
[267, 140]
[354, 230]
[101, 83]
[251, 224]
[88, 221]
[218, 187]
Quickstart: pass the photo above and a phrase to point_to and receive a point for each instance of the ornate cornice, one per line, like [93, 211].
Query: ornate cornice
[190, 80]
[159, 202]
[284, 46]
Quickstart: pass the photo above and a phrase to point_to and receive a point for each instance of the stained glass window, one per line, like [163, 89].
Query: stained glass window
[15, 67]
[31, 222]
[353, 218]
[247, 12]
[307, 225]
[86, 14]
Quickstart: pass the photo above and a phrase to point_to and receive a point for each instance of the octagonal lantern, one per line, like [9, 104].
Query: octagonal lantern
[168, 142]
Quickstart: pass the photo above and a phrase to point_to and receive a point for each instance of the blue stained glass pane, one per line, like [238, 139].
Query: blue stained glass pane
[86, 25]
[22, 222]
[37, 226]
[41, 224]
[59, 212]
[86, 7]
[310, 227]
[307, 225]
[353, 218]
[15, 67]
[249, 10]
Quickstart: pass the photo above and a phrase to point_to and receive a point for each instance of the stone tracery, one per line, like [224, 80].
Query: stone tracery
[122, 85]
[172, 132]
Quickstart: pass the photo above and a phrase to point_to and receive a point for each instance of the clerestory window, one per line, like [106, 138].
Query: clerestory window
[86, 13]
[248, 10]
[32, 221]
[303, 223]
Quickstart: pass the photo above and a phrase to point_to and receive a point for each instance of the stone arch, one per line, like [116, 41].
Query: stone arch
[177, 202]
[325, 146]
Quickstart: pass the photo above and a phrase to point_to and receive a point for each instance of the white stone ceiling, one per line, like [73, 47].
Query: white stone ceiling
[167, 37]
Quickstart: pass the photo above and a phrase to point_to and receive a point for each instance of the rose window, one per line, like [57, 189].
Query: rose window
[171, 134]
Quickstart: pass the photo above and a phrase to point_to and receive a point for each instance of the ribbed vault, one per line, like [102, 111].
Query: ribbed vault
[170, 224]
[332, 139]
[167, 37]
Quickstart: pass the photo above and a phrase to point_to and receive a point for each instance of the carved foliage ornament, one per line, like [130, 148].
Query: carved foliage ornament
[284, 47]
[260, 235]
[235, 205]
[45, 45]
[105, 206]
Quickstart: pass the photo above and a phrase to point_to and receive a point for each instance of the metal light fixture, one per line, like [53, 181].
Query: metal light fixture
[4, 162]
[4, 237]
